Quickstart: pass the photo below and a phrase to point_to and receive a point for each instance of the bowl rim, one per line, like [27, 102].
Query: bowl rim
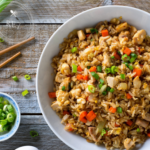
[37, 93]
[18, 124]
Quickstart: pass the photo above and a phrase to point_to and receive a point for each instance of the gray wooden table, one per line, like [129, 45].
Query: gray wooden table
[48, 15]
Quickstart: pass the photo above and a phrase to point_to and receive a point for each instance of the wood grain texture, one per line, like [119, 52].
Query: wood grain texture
[53, 11]
[46, 140]
[26, 64]
[141, 4]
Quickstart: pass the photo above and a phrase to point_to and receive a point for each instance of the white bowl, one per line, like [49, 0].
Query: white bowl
[44, 81]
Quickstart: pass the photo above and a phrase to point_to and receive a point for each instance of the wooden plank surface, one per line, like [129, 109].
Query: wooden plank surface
[45, 141]
[53, 11]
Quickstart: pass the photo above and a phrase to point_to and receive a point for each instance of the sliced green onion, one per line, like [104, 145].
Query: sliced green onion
[24, 93]
[131, 67]
[112, 90]
[132, 59]
[5, 108]
[88, 67]
[138, 130]
[1, 112]
[122, 76]
[3, 115]
[1, 106]
[103, 132]
[107, 70]
[10, 108]
[33, 133]
[103, 88]
[100, 85]
[11, 117]
[3, 122]
[119, 52]
[119, 110]
[125, 57]
[112, 57]
[101, 81]
[1, 40]
[104, 93]
[63, 88]
[27, 77]
[134, 55]
[127, 64]
[73, 50]
[1, 99]
[95, 75]
[7, 127]
[15, 78]
[99, 68]
[93, 30]
[108, 89]
[91, 88]
[5, 102]
[74, 68]
[113, 69]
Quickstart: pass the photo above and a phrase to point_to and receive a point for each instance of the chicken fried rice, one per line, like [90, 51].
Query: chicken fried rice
[101, 86]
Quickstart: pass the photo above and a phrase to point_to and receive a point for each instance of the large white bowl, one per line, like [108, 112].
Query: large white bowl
[44, 82]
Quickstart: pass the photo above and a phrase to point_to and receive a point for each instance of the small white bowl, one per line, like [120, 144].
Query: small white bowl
[44, 81]
[15, 127]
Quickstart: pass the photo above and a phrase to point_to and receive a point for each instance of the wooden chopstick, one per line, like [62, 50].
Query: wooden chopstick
[10, 59]
[15, 46]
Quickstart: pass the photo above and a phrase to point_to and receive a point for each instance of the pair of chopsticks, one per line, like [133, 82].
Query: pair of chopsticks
[11, 48]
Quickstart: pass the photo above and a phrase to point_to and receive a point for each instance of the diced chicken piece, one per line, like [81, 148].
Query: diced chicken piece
[66, 57]
[112, 81]
[133, 30]
[83, 44]
[92, 131]
[102, 41]
[147, 117]
[124, 37]
[141, 122]
[135, 92]
[146, 68]
[62, 96]
[129, 144]
[139, 37]
[65, 83]
[81, 101]
[106, 62]
[59, 77]
[122, 86]
[65, 118]
[55, 106]
[121, 27]
[81, 35]
[88, 30]
[137, 82]
[84, 54]
[95, 62]
[75, 93]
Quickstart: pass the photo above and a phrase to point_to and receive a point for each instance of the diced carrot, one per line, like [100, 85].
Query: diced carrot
[87, 98]
[92, 69]
[82, 117]
[85, 77]
[117, 125]
[128, 96]
[69, 127]
[137, 71]
[148, 134]
[79, 77]
[91, 116]
[112, 110]
[129, 122]
[52, 94]
[127, 51]
[117, 56]
[105, 32]
[87, 35]
[79, 68]
[66, 112]
[139, 51]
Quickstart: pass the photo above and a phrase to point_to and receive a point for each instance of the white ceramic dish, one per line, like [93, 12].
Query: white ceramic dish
[44, 81]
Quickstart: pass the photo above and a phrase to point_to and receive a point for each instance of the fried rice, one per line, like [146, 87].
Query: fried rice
[101, 86]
